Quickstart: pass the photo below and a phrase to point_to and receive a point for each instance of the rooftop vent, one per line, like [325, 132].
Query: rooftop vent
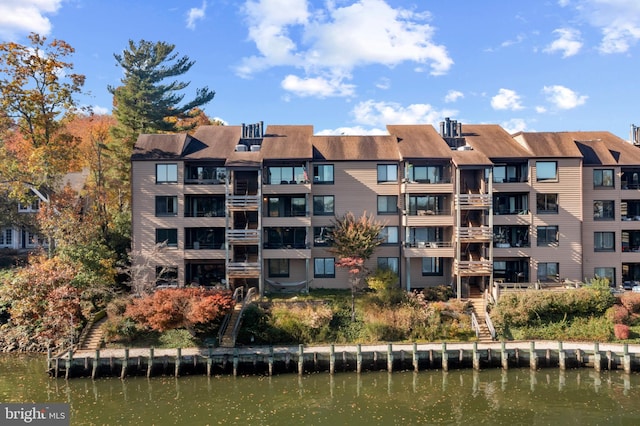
[451, 132]
[254, 148]
[241, 148]
[635, 135]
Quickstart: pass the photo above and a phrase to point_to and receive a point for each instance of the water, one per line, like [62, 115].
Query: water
[514, 397]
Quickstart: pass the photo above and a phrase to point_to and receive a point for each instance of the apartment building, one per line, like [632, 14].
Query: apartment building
[249, 206]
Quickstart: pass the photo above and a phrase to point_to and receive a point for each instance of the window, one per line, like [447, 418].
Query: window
[6, 237]
[31, 207]
[604, 241]
[167, 275]
[166, 205]
[548, 271]
[603, 210]
[323, 205]
[432, 266]
[285, 237]
[603, 178]
[547, 203]
[387, 204]
[606, 272]
[547, 236]
[324, 267]
[168, 236]
[166, 173]
[323, 173]
[389, 235]
[286, 174]
[426, 204]
[321, 235]
[387, 173]
[510, 173]
[390, 263]
[426, 174]
[511, 204]
[547, 171]
[278, 267]
[286, 206]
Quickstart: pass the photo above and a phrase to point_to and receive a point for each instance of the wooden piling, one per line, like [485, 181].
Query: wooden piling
[301, 359]
[597, 357]
[415, 358]
[389, 358]
[626, 359]
[332, 360]
[151, 362]
[68, 364]
[445, 357]
[504, 357]
[125, 362]
[270, 360]
[475, 357]
[178, 362]
[533, 357]
[562, 357]
[96, 362]
[209, 360]
[359, 358]
[235, 362]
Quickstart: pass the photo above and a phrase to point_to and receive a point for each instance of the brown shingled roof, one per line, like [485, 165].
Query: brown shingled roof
[287, 142]
[419, 141]
[493, 141]
[336, 148]
[552, 144]
[610, 149]
[159, 146]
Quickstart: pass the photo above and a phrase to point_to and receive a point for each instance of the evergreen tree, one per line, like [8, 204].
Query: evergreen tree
[149, 101]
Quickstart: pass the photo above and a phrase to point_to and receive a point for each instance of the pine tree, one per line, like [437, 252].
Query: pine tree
[149, 101]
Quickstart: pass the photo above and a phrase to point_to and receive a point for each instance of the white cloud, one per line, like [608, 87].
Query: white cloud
[453, 95]
[20, 17]
[540, 109]
[383, 83]
[515, 125]
[195, 14]
[317, 86]
[334, 40]
[563, 98]
[100, 110]
[357, 130]
[568, 42]
[506, 99]
[618, 20]
[380, 113]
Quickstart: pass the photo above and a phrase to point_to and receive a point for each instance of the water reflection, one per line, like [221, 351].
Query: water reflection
[429, 397]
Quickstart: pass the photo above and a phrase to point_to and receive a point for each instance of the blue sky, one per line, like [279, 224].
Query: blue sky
[353, 66]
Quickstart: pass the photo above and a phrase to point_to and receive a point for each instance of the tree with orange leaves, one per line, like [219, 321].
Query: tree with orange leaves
[353, 241]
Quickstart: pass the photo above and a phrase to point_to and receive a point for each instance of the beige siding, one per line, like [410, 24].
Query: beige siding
[569, 218]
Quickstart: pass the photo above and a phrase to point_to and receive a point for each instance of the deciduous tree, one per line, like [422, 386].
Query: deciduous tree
[354, 240]
[37, 89]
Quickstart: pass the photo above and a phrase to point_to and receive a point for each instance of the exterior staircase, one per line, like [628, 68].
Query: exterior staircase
[94, 337]
[476, 300]
[228, 339]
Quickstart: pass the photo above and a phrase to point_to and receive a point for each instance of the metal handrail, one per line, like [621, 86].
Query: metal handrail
[474, 324]
[237, 295]
[492, 329]
[236, 326]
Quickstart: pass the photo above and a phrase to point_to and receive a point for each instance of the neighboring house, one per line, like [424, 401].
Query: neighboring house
[238, 205]
[21, 235]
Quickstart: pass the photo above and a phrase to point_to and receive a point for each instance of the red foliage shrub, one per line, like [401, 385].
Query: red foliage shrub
[618, 314]
[180, 308]
[621, 331]
[631, 301]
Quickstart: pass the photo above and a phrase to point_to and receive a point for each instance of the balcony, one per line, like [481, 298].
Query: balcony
[468, 268]
[476, 234]
[243, 269]
[473, 201]
[428, 249]
[243, 202]
[243, 236]
[204, 175]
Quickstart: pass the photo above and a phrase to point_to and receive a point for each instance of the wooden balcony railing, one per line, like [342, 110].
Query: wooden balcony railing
[473, 201]
[473, 267]
[243, 269]
[246, 236]
[238, 202]
[474, 234]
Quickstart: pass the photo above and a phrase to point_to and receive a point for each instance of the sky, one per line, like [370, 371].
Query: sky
[354, 66]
